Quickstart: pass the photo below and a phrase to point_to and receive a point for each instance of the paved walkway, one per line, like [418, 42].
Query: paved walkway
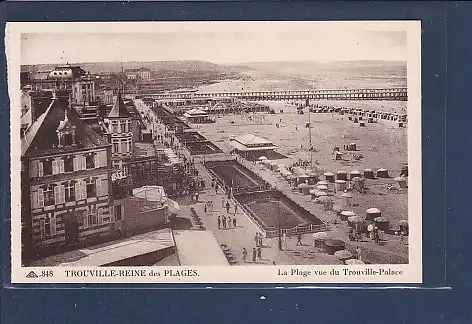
[244, 233]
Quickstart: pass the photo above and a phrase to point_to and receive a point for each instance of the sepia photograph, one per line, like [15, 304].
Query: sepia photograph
[216, 152]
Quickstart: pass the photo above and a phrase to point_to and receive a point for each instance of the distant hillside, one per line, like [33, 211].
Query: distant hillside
[304, 68]
[113, 67]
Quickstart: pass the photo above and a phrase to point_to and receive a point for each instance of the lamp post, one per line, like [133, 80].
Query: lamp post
[309, 134]
[280, 227]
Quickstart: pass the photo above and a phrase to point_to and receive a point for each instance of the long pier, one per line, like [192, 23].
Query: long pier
[394, 94]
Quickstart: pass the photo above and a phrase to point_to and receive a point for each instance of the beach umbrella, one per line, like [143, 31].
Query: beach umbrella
[343, 254]
[355, 174]
[355, 219]
[348, 213]
[354, 261]
[380, 219]
[373, 211]
[322, 183]
[329, 174]
[321, 187]
[322, 194]
[262, 158]
[346, 195]
[313, 191]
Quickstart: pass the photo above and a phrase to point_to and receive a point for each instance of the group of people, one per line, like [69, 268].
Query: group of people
[227, 222]
[256, 250]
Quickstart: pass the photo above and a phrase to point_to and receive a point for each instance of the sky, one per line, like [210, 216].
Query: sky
[234, 44]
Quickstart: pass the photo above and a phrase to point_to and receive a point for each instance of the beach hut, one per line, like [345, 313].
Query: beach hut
[340, 185]
[382, 173]
[312, 178]
[341, 175]
[359, 183]
[334, 245]
[352, 147]
[354, 174]
[301, 186]
[329, 176]
[369, 174]
[382, 223]
[372, 213]
[346, 214]
[347, 196]
[343, 255]
[401, 182]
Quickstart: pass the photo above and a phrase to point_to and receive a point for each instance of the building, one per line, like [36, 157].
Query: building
[141, 74]
[120, 135]
[64, 77]
[196, 116]
[252, 147]
[66, 196]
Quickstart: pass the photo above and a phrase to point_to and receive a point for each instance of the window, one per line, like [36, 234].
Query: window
[118, 213]
[115, 147]
[123, 127]
[48, 193]
[124, 147]
[89, 161]
[69, 188]
[91, 189]
[68, 164]
[47, 167]
[92, 217]
[68, 139]
[114, 126]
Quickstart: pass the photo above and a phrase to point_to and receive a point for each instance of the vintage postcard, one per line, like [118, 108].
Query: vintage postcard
[216, 152]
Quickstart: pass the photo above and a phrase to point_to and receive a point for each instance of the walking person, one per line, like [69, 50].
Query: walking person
[196, 196]
[229, 221]
[358, 254]
[259, 252]
[227, 207]
[234, 221]
[216, 188]
[256, 238]
[254, 254]
[299, 239]
[235, 208]
[260, 239]
[205, 209]
[244, 255]
[219, 222]
[224, 222]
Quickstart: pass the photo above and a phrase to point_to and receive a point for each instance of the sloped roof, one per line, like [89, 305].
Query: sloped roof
[119, 109]
[41, 137]
[252, 140]
[196, 112]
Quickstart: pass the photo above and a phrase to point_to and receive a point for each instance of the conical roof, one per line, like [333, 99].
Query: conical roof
[119, 109]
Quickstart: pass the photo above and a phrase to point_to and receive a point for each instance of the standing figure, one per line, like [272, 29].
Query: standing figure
[299, 239]
[254, 254]
[256, 238]
[234, 221]
[227, 207]
[224, 222]
[259, 252]
[244, 255]
[219, 222]
[235, 208]
[222, 202]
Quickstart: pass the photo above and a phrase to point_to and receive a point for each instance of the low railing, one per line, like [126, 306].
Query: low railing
[299, 229]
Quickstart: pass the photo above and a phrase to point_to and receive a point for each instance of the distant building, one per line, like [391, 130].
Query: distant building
[252, 147]
[196, 116]
[141, 73]
[65, 77]
[66, 195]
